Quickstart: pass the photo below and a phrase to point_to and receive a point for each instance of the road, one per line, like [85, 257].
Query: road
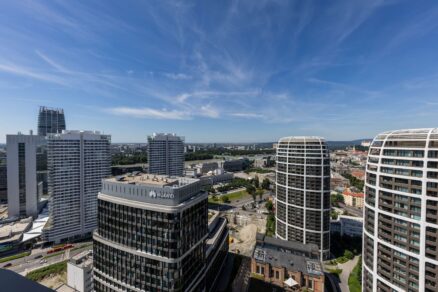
[353, 211]
[25, 264]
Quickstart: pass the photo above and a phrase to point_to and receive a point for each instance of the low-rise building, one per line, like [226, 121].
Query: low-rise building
[353, 199]
[80, 272]
[347, 225]
[215, 178]
[290, 265]
[338, 181]
[263, 162]
[11, 234]
[358, 173]
[235, 165]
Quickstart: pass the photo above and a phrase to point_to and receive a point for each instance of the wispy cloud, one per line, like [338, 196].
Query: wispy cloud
[31, 73]
[247, 115]
[177, 76]
[149, 113]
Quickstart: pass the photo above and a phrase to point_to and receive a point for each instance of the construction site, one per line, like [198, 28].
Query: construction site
[243, 229]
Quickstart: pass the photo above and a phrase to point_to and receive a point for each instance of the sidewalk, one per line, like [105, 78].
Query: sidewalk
[346, 271]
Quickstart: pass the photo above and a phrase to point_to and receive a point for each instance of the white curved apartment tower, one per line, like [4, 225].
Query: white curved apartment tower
[303, 192]
[401, 204]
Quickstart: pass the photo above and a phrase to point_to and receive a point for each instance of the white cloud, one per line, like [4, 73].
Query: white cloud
[30, 73]
[247, 115]
[150, 113]
[209, 111]
[177, 76]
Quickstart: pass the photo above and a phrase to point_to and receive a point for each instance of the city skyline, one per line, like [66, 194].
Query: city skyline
[228, 71]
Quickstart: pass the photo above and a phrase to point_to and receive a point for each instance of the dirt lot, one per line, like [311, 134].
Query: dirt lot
[55, 281]
[244, 233]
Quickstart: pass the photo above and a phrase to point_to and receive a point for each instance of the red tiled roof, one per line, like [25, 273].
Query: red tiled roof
[357, 195]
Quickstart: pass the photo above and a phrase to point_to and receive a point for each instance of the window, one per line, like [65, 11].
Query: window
[310, 284]
[277, 275]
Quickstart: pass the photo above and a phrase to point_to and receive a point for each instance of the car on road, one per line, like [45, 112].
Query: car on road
[38, 257]
[7, 265]
[43, 261]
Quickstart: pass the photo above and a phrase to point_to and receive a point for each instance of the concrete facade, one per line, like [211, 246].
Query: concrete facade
[166, 154]
[23, 192]
[77, 163]
[80, 272]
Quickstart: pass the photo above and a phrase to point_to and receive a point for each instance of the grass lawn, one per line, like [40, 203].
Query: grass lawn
[39, 274]
[231, 196]
[82, 246]
[355, 277]
[14, 257]
[237, 195]
[53, 254]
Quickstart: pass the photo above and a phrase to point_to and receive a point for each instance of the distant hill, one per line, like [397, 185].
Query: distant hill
[343, 144]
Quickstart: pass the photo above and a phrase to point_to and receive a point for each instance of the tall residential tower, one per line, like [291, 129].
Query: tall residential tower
[50, 120]
[303, 192]
[400, 245]
[166, 154]
[77, 163]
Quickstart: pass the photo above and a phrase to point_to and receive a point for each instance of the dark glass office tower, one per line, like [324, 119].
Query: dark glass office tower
[151, 235]
[50, 121]
[3, 178]
[303, 192]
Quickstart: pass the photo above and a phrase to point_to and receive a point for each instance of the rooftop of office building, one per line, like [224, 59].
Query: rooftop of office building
[83, 259]
[139, 178]
[152, 189]
[294, 256]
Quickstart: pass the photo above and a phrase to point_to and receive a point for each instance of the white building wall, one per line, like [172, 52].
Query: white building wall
[31, 143]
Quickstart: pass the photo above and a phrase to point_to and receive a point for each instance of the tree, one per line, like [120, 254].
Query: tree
[266, 183]
[269, 206]
[256, 181]
[348, 254]
[225, 199]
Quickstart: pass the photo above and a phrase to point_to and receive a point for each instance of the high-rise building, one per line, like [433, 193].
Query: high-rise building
[3, 177]
[400, 246]
[50, 120]
[166, 154]
[77, 162]
[26, 173]
[303, 192]
[151, 234]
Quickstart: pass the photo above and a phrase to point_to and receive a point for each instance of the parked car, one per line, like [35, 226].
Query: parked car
[38, 256]
[7, 265]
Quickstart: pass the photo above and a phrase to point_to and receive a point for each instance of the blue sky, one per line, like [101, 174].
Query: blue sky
[221, 71]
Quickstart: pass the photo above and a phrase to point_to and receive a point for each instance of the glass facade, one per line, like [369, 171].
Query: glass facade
[50, 121]
[147, 249]
[22, 177]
